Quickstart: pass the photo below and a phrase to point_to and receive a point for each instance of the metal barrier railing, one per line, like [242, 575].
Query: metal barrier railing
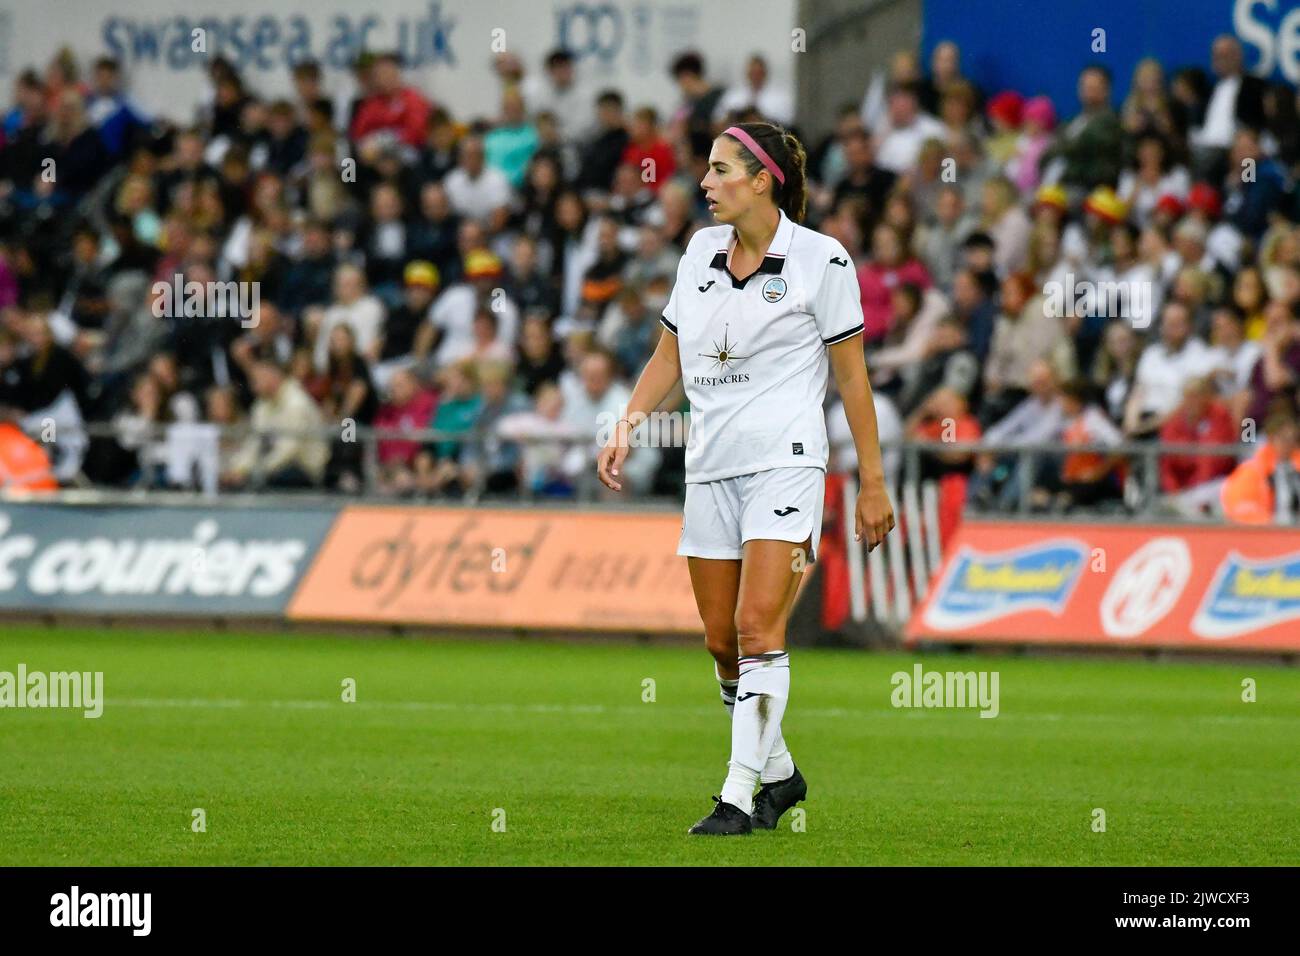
[1021, 464]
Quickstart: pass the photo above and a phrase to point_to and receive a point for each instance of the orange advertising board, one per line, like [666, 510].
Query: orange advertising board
[501, 568]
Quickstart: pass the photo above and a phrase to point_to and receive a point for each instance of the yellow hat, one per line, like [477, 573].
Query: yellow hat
[482, 264]
[1103, 203]
[1053, 196]
[423, 273]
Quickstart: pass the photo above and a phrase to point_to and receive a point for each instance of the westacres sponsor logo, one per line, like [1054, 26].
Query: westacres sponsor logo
[1248, 595]
[983, 586]
[192, 560]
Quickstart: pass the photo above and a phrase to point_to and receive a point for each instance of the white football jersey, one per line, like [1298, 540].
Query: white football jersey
[753, 351]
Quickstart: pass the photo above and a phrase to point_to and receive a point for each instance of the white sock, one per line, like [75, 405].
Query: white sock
[755, 723]
[728, 689]
[780, 765]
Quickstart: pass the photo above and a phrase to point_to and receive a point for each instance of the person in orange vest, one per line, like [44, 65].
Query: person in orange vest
[1250, 494]
[24, 466]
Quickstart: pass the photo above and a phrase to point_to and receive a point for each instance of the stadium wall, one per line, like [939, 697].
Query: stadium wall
[845, 40]
[448, 44]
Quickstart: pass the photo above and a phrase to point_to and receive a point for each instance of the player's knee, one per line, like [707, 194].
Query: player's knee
[720, 641]
[758, 629]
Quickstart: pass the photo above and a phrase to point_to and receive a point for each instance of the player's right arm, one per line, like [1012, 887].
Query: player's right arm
[660, 375]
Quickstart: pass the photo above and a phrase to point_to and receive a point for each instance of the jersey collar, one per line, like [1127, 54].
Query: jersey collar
[773, 262]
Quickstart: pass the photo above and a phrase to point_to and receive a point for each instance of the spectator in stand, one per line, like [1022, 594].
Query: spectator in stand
[605, 151]
[1152, 176]
[440, 465]
[944, 417]
[1254, 188]
[510, 145]
[975, 306]
[1236, 99]
[890, 265]
[1001, 478]
[1233, 355]
[286, 142]
[353, 306]
[558, 93]
[346, 393]
[1089, 150]
[1193, 482]
[1006, 224]
[647, 151]
[491, 463]
[908, 129]
[1163, 372]
[700, 98]
[1277, 372]
[309, 278]
[449, 335]
[1265, 489]
[403, 324]
[865, 181]
[286, 449]
[307, 86]
[391, 112]
[540, 359]
[477, 190]
[594, 400]
[1115, 366]
[1084, 478]
[408, 407]
[772, 102]
[546, 438]
[1025, 332]
[1025, 167]
[117, 118]
[939, 246]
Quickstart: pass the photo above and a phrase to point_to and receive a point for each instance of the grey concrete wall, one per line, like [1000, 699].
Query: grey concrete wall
[846, 40]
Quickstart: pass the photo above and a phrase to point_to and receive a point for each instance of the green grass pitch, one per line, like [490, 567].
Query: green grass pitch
[252, 729]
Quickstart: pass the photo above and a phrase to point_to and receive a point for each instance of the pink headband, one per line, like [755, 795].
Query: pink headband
[759, 152]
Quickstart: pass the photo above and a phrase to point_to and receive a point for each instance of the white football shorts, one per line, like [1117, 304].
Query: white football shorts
[783, 504]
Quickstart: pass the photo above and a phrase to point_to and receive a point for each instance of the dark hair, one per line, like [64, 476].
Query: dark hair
[610, 98]
[688, 62]
[1079, 389]
[788, 154]
[307, 69]
[1103, 71]
[556, 57]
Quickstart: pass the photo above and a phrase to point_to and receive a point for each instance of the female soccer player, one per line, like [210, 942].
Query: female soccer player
[759, 304]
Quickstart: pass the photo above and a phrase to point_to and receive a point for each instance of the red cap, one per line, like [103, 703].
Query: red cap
[1204, 198]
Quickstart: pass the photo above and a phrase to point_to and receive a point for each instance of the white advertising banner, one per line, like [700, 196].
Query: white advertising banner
[449, 44]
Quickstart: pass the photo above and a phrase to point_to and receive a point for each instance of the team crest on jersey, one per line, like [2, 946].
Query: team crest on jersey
[774, 289]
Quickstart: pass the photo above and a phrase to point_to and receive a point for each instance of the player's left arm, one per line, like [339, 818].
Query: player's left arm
[837, 311]
[875, 514]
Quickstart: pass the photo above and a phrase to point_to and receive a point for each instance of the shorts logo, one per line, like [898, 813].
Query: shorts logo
[774, 289]
[796, 447]
[788, 509]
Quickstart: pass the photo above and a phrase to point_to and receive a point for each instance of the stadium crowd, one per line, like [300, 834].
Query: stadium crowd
[498, 279]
